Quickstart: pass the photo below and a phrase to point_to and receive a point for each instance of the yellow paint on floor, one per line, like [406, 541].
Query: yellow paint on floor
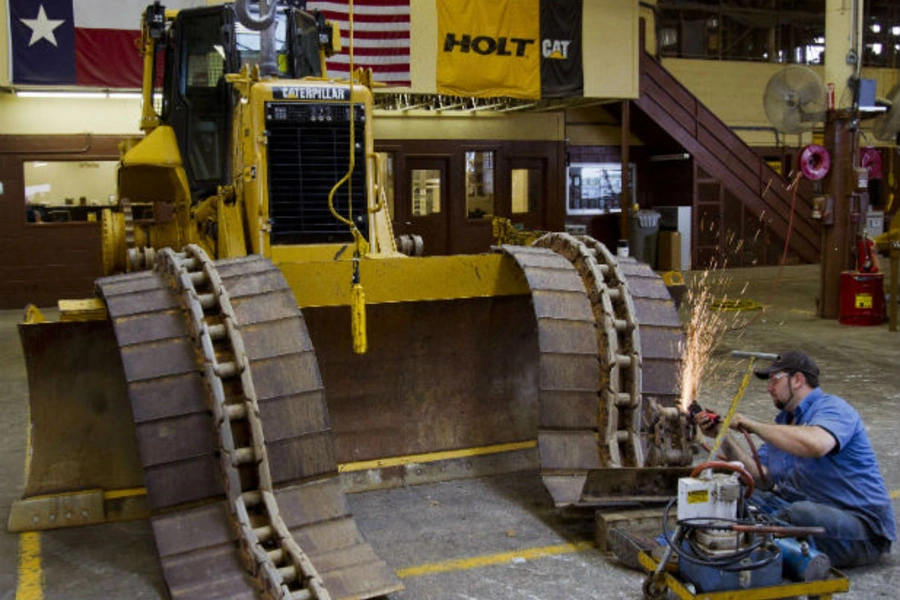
[895, 494]
[31, 576]
[399, 461]
[476, 562]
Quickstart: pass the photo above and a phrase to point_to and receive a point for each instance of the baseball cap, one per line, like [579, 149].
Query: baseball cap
[791, 362]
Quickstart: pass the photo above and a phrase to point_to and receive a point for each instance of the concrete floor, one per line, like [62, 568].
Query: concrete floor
[491, 538]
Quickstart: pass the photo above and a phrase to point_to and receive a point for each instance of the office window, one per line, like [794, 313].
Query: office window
[61, 191]
[596, 188]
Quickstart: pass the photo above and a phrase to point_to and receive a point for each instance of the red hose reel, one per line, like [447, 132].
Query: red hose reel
[814, 162]
[870, 160]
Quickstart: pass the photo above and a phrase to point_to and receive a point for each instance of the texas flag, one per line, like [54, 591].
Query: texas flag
[79, 42]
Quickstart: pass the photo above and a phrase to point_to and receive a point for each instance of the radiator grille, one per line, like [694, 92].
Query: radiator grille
[308, 152]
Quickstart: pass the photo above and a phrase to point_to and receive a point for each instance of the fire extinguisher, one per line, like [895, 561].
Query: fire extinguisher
[866, 260]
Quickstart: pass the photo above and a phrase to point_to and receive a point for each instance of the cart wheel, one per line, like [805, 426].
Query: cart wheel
[654, 588]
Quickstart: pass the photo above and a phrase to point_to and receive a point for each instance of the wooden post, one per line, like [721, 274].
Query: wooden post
[894, 253]
[837, 228]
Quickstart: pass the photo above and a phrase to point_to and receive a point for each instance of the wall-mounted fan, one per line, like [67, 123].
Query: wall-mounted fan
[887, 125]
[794, 99]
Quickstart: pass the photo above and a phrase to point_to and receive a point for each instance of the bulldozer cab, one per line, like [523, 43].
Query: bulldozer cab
[199, 48]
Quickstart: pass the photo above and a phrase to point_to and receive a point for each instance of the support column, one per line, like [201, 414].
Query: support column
[843, 32]
[837, 228]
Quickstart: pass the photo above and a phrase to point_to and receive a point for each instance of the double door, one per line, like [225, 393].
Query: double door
[451, 200]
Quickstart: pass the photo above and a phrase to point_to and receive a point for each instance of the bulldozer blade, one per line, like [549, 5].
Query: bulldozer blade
[82, 447]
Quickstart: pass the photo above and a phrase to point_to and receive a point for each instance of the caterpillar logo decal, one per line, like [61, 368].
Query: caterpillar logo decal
[555, 49]
[519, 48]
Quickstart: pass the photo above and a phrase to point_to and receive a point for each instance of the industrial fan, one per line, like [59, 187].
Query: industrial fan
[887, 125]
[794, 99]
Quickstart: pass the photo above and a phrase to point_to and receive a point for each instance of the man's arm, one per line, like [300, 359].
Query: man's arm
[809, 441]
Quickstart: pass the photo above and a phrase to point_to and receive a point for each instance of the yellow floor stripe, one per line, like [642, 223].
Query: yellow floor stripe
[476, 562]
[31, 576]
[398, 461]
[895, 494]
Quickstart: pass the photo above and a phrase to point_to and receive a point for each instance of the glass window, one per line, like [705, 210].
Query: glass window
[249, 44]
[596, 188]
[480, 185]
[61, 191]
[526, 190]
[426, 192]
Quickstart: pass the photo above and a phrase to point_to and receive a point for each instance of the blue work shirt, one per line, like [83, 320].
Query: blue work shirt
[847, 478]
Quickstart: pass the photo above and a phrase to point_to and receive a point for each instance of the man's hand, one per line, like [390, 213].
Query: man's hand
[708, 423]
[741, 423]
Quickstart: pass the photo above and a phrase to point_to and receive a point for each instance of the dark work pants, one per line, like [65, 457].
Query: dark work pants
[847, 541]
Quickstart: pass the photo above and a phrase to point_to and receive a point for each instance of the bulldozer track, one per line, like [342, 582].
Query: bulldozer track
[228, 403]
[592, 362]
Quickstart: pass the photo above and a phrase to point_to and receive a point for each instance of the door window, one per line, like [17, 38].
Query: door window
[480, 184]
[425, 192]
[525, 186]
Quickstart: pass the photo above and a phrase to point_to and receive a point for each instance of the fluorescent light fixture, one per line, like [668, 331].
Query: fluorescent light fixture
[77, 95]
[876, 28]
[895, 30]
[37, 94]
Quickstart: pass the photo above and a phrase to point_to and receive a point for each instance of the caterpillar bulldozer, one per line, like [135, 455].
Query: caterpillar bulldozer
[259, 346]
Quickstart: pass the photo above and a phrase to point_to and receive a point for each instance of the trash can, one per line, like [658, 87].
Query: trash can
[862, 298]
[643, 234]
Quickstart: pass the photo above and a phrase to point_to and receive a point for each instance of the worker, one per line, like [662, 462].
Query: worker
[816, 463]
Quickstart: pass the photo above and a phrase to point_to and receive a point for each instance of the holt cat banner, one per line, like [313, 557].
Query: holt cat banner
[518, 48]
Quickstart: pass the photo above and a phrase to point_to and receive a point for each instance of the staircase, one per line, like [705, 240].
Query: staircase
[725, 160]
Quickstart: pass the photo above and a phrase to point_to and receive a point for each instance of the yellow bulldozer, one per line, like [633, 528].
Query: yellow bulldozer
[259, 346]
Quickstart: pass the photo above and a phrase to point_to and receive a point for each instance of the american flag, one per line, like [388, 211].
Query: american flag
[380, 38]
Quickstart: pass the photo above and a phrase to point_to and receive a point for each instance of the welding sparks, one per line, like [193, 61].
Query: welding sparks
[705, 328]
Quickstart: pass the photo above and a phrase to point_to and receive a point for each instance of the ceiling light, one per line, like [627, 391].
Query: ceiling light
[77, 95]
[37, 94]
[876, 28]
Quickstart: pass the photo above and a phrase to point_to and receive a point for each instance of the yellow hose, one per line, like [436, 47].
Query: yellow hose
[726, 420]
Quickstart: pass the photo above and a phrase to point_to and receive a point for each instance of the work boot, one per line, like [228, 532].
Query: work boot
[626, 545]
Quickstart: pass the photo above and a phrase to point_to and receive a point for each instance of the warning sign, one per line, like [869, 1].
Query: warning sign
[698, 496]
[863, 301]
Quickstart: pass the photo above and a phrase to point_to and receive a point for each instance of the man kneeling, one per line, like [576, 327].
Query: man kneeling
[818, 467]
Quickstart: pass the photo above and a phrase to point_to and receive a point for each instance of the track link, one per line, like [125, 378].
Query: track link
[228, 402]
[593, 310]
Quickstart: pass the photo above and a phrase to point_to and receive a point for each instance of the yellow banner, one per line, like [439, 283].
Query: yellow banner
[489, 48]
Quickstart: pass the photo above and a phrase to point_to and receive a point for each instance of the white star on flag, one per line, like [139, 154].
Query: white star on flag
[42, 27]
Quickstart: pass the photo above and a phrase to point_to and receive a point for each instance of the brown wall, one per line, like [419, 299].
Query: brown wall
[43, 262]
[453, 232]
